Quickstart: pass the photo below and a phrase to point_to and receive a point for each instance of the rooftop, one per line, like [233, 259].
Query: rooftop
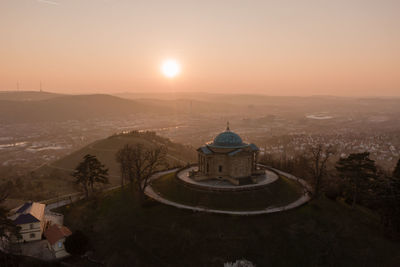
[228, 139]
[56, 232]
[29, 212]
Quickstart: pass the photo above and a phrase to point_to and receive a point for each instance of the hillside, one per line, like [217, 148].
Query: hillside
[321, 233]
[47, 107]
[57, 175]
[343, 106]
[26, 95]
[71, 107]
[17, 107]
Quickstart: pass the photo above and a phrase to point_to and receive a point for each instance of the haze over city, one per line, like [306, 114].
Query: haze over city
[218, 133]
[346, 48]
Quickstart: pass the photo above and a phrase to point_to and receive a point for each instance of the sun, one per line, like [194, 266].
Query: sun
[170, 68]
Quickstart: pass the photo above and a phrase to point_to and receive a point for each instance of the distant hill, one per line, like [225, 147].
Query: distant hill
[71, 107]
[41, 107]
[18, 107]
[260, 99]
[26, 95]
[294, 105]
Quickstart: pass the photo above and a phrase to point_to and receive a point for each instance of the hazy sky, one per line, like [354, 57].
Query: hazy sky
[298, 47]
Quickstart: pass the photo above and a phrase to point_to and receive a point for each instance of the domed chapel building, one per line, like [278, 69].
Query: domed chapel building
[228, 158]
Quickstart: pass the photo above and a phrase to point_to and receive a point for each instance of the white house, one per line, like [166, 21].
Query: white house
[30, 217]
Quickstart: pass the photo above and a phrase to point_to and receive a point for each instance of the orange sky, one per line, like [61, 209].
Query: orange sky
[341, 47]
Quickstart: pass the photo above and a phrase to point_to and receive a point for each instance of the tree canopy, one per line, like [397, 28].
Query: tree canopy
[77, 243]
[90, 171]
[138, 163]
[357, 170]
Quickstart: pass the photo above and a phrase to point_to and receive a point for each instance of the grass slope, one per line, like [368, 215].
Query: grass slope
[280, 193]
[321, 233]
[57, 176]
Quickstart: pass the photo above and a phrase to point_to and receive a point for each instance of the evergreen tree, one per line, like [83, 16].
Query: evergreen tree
[77, 243]
[357, 170]
[388, 204]
[89, 172]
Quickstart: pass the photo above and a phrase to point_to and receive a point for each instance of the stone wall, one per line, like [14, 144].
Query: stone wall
[222, 165]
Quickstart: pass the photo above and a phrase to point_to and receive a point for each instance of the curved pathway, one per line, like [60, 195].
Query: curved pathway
[300, 201]
[218, 185]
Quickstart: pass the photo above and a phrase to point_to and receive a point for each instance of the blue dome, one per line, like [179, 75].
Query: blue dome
[228, 139]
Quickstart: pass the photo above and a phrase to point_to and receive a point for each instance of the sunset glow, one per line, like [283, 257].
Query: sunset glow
[347, 48]
[170, 68]
[149, 132]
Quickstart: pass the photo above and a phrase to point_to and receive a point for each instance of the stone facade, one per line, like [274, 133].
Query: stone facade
[227, 157]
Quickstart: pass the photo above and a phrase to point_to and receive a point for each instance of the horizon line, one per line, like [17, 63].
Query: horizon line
[197, 92]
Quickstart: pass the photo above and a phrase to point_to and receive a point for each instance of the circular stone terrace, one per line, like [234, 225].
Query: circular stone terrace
[301, 198]
[223, 185]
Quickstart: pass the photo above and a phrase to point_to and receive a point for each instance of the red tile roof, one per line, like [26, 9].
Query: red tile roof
[56, 232]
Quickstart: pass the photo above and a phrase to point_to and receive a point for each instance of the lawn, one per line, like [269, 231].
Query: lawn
[321, 233]
[279, 193]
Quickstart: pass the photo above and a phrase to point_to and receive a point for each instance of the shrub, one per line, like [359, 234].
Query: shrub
[77, 243]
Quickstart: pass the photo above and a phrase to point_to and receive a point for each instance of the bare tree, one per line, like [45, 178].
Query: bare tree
[138, 164]
[319, 155]
[123, 157]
